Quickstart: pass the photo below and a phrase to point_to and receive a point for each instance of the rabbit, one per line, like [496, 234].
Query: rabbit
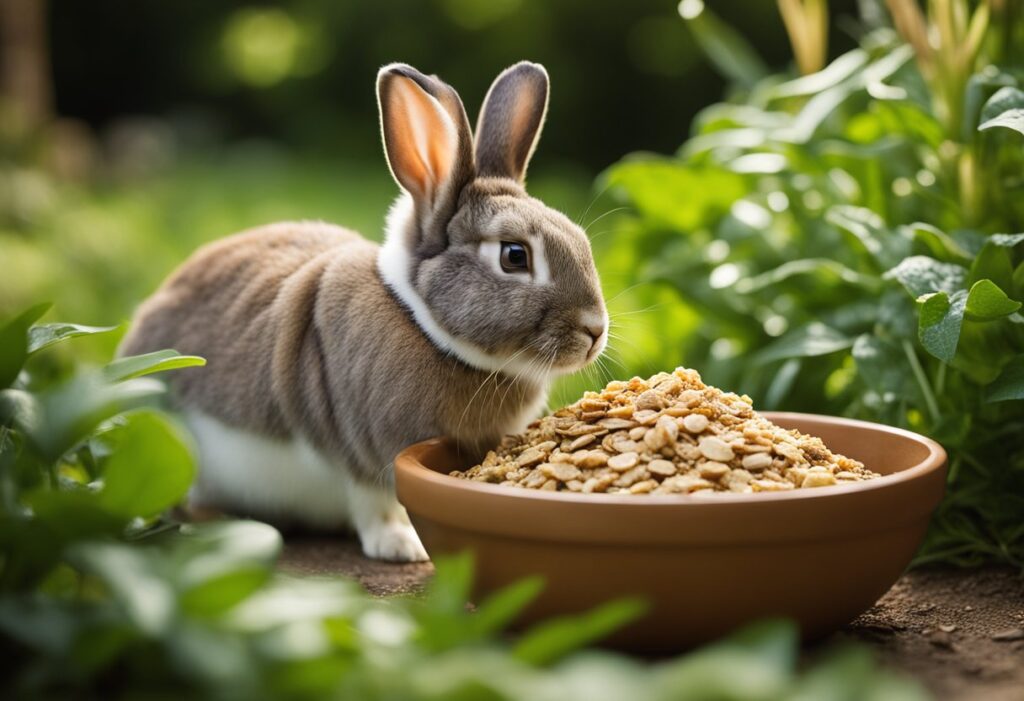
[327, 354]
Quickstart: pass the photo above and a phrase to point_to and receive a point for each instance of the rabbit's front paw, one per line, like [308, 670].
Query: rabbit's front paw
[392, 540]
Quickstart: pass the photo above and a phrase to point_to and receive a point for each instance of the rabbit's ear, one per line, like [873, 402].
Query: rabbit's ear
[510, 121]
[426, 137]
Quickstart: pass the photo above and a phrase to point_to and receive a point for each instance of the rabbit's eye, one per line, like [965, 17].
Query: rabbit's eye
[514, 257]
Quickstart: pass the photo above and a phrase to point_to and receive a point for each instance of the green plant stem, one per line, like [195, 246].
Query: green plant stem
[922, 381]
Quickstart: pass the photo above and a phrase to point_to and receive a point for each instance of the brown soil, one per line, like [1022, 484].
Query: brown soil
[961, 633]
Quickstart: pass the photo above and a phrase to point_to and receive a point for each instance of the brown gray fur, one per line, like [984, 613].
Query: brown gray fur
[312, 332]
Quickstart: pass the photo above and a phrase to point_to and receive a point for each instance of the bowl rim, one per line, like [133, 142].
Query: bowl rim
[409, 462]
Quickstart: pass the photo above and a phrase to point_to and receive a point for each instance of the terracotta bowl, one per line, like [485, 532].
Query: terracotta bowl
[706, 565]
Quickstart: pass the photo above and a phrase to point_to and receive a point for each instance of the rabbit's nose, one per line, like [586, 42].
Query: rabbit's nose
[595, 331]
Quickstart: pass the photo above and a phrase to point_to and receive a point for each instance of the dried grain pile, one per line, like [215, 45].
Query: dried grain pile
[665, 435]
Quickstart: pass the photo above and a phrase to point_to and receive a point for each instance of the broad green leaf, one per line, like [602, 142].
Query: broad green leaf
[450, 588]
[941, 318]
[1006, 240]
[553, 639]
[45, 335]
[73, 409]
[14, 343]
[980, 86]
[210, 551]
[939, 242]
[921, 275]
[823, 269]
[150, 469]
[886, 246]
[502, 607]
[219, 594]
[804, 342]
[1010, 383]
[986, 302]
[674, 194]
[1004, 109]
[157, 361]
[882, 366]
[993, 263]
[726, 48]
[137, 577]
[781, 384]
[839, 70]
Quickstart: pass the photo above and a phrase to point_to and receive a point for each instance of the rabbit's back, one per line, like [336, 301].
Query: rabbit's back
[225, 304]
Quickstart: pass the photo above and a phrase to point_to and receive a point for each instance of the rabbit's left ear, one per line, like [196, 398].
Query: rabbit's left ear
[510, 121]
[428, 144]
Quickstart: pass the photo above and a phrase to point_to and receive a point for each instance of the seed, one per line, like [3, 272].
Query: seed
[645, 418]
[789, 451]
[816, 478]
[589, 458]
[713, 470]
[628, 479]
[621, 412]
[644, 487]
[613, 424]
[665, 468]
[714, 448]
[549, 486]
[770, 485]
[530, 456]
[649, 400]
[626, 446]
[638, 433]
[756, 461]
[581, 442]
[695, 423]
[623, 461]
[560, 471]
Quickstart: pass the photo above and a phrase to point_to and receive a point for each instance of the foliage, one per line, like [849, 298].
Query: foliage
[845, 242]
[101, 594]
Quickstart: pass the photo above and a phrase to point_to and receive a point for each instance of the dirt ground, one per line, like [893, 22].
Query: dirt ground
[961, 633]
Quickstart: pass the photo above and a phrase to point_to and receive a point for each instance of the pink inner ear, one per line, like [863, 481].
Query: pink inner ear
[519, 125]
[423, 141]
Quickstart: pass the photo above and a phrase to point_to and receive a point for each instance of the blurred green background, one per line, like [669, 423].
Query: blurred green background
[132, 132]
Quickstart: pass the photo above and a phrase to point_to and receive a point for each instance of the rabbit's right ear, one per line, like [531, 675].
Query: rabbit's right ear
[428, 144]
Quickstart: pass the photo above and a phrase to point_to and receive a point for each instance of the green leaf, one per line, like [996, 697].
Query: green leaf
[941, 318]
[993, 263]
[887, 247]
[939, 242]
[502, 607]
[726, 48]
[921, 275]
[45, 335]
[219, 565]
[548, 641]
[14, 344]
[1006, 240]
[986, 301]
[674, 194]
[219, 594]
[136, 577]
[1010, 383]
[1004, 109]
[150, 469]
[838, 71]
[157, 361]
[804, 342]
[73, 409]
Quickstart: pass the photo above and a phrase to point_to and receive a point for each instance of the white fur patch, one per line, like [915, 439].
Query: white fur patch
[290, 480]
[393, 262]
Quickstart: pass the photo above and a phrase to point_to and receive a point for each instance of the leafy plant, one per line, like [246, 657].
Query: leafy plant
[102, 594]
[845, 242]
